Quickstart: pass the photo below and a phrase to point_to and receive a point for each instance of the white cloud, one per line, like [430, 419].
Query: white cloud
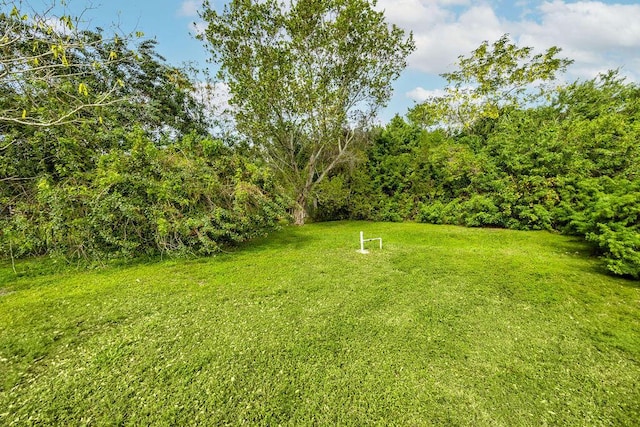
[215, 96]
[56, 24]
[420, 94]
[454, 2]
[189, 7]
[413, 14]
[593, 24]
[198, 28]
[442, 34]
[597, 35]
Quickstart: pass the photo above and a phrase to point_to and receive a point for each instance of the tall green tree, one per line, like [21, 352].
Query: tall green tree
[306, 77]
[492, 78]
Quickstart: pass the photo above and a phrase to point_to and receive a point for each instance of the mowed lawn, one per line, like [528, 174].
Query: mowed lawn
[443, 326]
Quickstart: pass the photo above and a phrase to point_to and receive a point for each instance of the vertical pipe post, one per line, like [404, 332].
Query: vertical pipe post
[362, 241]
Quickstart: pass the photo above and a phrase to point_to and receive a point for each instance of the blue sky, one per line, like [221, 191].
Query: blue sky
[598, 35]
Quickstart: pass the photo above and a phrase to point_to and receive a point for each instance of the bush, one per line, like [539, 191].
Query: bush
[621, 248]
[611, 220]
[481, 211]
[331, 199]
[431, 213]
[195, 196]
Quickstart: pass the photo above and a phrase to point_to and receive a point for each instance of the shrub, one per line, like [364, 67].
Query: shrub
[481, 211]
[611, 220]
[194, 196]
[621, 248]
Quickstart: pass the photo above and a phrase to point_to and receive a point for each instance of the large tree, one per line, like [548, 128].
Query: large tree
[491, 79]
[306, 78]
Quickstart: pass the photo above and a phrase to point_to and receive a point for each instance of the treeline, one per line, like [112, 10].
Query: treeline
[571, 164]
[107, 151]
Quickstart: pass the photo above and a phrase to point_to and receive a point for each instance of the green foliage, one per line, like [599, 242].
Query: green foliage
[504, 71]
[621, 247]
[437, 212]
[331, 199]
[52, 72]
[607, 212]
[193, 196]
[571, 164]
[78, 182]
[491, 79]
[306, 80]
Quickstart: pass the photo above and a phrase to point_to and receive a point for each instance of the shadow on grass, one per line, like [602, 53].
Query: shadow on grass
[287, 237]
[10, 272]
[573, 245]
[627, 280]
[577, 246]
[290, 236]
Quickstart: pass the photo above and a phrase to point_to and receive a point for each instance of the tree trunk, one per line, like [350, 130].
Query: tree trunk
[300, 210]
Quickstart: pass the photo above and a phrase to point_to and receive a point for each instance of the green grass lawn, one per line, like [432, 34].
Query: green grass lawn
[444, 326]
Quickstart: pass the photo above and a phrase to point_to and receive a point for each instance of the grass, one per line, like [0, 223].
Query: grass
[444, 326]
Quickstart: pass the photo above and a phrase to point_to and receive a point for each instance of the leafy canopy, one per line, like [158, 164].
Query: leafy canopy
[49, 64]
[491, 78]
[303, 76]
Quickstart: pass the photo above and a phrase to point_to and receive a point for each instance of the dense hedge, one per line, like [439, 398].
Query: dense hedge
[571, 165]
[195, 195]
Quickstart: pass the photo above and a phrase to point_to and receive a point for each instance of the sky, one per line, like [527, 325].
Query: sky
[597, 35]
